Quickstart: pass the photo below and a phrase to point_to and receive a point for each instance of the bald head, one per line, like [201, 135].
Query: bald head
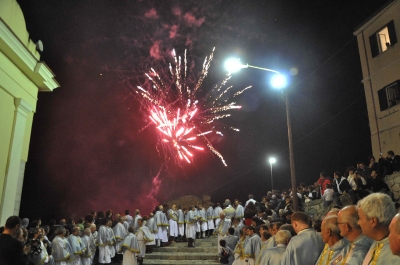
[394, 235]
[333, 212]
[349, 216]
[330, 232]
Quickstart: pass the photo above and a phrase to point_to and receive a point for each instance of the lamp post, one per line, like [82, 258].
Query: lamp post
[278, 81]
[272, 160]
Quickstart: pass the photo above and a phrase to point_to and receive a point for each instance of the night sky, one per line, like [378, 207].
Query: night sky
[86, 151]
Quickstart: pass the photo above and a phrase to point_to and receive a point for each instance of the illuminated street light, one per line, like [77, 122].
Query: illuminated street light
[278, 81]
[272, 160]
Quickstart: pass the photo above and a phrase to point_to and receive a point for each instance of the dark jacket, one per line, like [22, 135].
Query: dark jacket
[344, 185]
[376, 184]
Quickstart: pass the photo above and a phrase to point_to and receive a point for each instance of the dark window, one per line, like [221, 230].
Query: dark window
[382, 39]
[389, 96]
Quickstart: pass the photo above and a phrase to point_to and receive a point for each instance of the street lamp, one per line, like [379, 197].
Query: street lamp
[272, 160]
[278, 81]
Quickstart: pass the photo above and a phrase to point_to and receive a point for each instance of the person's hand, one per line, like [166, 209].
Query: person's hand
[27, 249]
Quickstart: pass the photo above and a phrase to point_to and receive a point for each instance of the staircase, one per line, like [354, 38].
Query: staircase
[204, 253]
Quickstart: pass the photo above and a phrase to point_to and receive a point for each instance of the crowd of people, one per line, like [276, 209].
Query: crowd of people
[270, 231]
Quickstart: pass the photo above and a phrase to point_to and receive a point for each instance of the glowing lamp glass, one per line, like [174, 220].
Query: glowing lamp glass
[233, 65]
[279, 81]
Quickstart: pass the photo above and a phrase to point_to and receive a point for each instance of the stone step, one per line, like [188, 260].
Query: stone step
[198, 242]
[212, 249]
[180, 262]
[182, 256]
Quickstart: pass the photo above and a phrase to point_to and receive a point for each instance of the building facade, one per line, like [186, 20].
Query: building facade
[22, 76]
[380, 62]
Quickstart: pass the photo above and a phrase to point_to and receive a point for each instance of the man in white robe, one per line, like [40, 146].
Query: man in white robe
[181, 224]
[196, 214]
[336, 247]
[61, 253]
[173, 223]
[306, 246]
[88, 241]
[229, 211]
[104, 242]
[130, 248]
[151, 225]
[273, 255]
[359, 243]
[222, 229]
[273, 229]
[203, 221]
[376, 212]
[252, 246]
[77, 245]
[94, 235]
[120, 233]
[217, 212]
[143, 236]
[128, 218]
[263, 229]
[190, 227]
[210, 220]
[162, 223]
[135, 220]
[239, 210]
[111, 237]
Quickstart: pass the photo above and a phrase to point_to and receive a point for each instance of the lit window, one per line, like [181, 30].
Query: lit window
[383, 39]
[389, 96]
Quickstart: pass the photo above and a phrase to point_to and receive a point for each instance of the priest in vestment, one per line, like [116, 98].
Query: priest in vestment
[375, 212]
[173, 223]
[238, 251]
[120, 233]
[151, 225]
[143, 236]
[336, 247]
[88, 241]
[77, 245]
[162, 223]
[210, 220]
[229, 211]
[222, 229]
[217, 212]
[252, 245]
[181, 224]
[359, 243]
[61, 253]
[306, 246]
[273, 255]
[203, 221]
[264, 241]
[190, 227]
[130, 248]
[104, 242]
[239, 210]
[135, 220]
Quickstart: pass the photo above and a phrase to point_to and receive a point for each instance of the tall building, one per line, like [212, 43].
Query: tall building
[380, 61]
[22, 76]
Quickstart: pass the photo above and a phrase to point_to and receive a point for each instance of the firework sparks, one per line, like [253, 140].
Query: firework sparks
[183, 118]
